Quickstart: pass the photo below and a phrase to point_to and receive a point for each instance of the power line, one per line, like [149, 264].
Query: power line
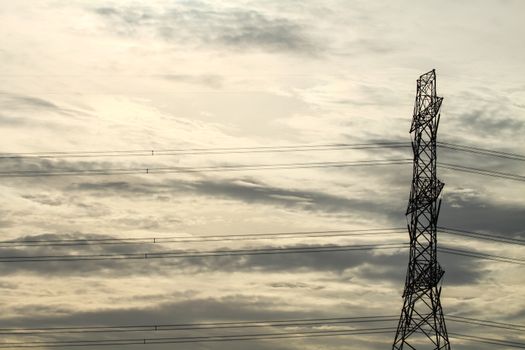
[199, 254]
[197, 339]
[195, 151]
[253, 149]
[197, 326]
[484, 256]
[310, 322]
[486, 323]
[213, 238]
[220, 168]
[483, 236]
[485, 172]
[248, 237]
[240, 325]
[246, 337]
[264, 251]
[481, 151]
[247, 167]
[239, 337]
[488, 340]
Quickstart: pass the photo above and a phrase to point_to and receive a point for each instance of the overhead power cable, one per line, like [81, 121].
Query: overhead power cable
[492, 341]
[196, 151]
[198, 326]
[219, 168]
[247, 237]
[253, 149]
[484, 256]
[211, 238]
[239, 337]
[245, 167]
[264, 251]
[486, 323]
[481, 151]
[199, 254]
[304, 322]
[197, 339]
[483, 236]
[484, 172]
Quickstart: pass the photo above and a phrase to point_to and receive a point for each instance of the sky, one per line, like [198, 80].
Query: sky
[121, 75]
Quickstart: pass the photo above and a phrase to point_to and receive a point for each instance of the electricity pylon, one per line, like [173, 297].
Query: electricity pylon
[422, 324]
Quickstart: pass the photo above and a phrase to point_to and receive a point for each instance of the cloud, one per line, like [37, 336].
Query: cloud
[369, 95]
[16, 101]
[45, 199]
[8, 121]
[479, 213]
[248, 190]
[234, 307]
[20, 108]
[334, 261]
[211, 80]
[491, 121]
[114, 187]
[199, 310]
[234, 28]
[368, 265]
[295, 285]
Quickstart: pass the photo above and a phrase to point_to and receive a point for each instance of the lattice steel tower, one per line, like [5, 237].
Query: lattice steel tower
[422, 324]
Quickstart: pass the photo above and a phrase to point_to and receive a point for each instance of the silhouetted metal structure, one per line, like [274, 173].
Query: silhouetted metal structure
[422, 324]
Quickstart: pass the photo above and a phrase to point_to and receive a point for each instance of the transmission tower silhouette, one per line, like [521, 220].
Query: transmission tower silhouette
[422, 324]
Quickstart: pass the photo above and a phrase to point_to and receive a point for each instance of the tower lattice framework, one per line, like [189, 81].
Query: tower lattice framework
[422, 324]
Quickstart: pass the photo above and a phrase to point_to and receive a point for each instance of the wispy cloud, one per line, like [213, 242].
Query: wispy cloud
[214, 81]
[491, 122]
[238, 29]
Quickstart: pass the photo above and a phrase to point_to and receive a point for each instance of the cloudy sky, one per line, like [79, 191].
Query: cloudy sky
[156, 75]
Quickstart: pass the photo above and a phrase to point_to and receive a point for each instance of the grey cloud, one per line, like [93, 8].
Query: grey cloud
[490, 122]
[20, 120]
[373, 45]
[231, 308]
[235, 307]
[479, 214]
[372, 96]
[45, 199]
[458, 270]
[9, 121]
[458, 210]
[246, 189]
[65, 249]
[296, 285]
[364, 264]
[18, 106]
[314, 201]
[106, 11]
[112, 186]
[211, 80]
[335, 261]
[37, 164]
[8, 285]
[239, 29]
[250, 191]
[274, 34]
[15, 101]
[392, 267]
[9, 218]
[369, 45]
